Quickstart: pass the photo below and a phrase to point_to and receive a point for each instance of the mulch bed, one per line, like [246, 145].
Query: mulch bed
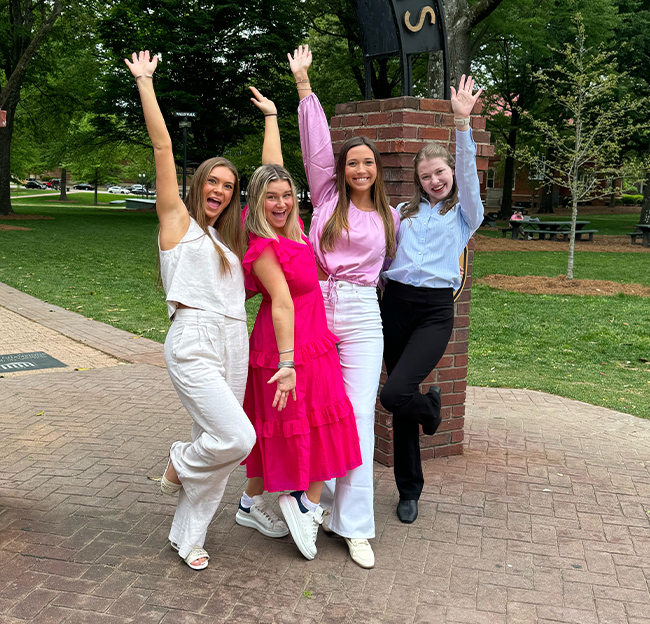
[539, 285]
[4, 228]
[23, 217]
[617, 244]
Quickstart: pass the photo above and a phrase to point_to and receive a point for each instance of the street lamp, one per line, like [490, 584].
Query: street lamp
[185, 124]
[141, 177]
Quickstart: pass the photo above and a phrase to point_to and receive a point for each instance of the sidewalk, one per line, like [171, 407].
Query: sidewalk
[544, 518]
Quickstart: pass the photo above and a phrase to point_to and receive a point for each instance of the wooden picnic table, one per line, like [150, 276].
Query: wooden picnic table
[643, 233]
[547, 229]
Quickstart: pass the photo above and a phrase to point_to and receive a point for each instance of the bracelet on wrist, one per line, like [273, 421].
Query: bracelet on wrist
[285, 351]
[305, 80]
[286, 364]
[270, 114]
[145, 75]
[303, 88]
[462, 122]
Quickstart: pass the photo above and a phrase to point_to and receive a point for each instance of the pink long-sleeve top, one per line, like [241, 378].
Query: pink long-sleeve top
[359, 257]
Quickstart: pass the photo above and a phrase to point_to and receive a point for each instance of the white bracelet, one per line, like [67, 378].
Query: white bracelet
[462, 122]
[145, 75]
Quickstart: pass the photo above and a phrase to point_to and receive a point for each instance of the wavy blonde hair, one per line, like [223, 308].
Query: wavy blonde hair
[338, 222]
[256, 222]
[228, 223]
[428, 152]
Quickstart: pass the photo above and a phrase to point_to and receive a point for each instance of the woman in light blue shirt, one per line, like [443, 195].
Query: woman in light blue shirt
[417, 308]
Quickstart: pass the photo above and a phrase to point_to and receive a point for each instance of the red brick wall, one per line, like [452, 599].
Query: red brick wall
[400, 127]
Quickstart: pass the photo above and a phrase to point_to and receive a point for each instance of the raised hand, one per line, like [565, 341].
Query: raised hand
[263, 103]
[300, 62]
[286, 378]
[462, 102]
[142, 64]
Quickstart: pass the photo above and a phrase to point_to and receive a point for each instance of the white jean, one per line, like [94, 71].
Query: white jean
[353, 316]
[207, 359]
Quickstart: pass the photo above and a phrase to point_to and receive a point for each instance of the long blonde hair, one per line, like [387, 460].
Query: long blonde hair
[428, 152]
[256, 222]
[338, 222]
[228, 223]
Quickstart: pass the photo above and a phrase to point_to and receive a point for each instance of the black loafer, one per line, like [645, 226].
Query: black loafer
[429, 428]
[407, 510]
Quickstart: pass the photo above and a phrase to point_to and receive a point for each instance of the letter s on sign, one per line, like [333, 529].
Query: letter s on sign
[423, 13]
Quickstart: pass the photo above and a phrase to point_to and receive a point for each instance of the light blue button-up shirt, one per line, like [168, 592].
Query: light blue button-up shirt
[429, 244]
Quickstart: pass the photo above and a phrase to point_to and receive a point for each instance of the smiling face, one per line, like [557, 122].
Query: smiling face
[217, 192]
[360, 169]
[436, 178]
[278, 204]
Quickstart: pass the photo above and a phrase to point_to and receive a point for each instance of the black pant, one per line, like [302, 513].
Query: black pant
[417, 327]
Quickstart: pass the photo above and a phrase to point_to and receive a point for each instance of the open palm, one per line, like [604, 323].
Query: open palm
[141, 64]
[300, 61]
[462, 101]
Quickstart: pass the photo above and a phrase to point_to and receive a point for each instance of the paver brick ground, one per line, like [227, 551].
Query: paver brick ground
[544, 518]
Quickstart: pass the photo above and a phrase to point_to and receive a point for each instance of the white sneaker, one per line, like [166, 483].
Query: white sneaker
[302, 524]
[361, 552]
[261, 517]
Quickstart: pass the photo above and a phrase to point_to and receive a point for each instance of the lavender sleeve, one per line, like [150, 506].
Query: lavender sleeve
[317, 153]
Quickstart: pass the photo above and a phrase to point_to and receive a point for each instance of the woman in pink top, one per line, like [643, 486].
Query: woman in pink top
[353, 230]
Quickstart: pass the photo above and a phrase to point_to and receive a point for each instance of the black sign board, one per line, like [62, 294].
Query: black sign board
[402, 27]
[16, 362]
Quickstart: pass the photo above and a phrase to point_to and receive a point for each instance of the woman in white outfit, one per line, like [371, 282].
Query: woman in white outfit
[206, 350]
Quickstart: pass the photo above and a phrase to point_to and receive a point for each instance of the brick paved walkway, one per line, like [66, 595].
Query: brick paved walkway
[545, 518]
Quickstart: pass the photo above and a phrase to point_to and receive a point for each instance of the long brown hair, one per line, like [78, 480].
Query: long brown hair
[228, 223]
[338, 222]
[428, 152]
[256, 217]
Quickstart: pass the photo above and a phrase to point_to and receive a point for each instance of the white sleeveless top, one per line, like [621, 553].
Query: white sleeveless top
[191, 275]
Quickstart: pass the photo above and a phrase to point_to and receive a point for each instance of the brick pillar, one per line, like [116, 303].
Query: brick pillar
[400, 127]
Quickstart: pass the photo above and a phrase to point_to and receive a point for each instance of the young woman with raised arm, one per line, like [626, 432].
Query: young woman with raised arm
[295, 396]
[201, 245]
[352, 231]
[418, 307]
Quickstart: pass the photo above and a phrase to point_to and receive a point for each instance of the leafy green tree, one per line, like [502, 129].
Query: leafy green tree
[518, 42]
[634, 58]
[24, 26]
[211, 53]
[589, 131]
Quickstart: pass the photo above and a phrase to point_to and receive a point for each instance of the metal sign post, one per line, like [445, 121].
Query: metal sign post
[185, 124]
[402, 28]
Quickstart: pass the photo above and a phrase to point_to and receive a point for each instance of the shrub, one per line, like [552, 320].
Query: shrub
[631, 200]
[631, 190]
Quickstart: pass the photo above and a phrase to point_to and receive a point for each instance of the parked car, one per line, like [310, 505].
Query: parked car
[33, 184]
[137, 188]
[119, 190]
[83, 187]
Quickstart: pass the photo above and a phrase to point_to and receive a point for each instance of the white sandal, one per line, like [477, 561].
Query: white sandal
[194, 554]
[167, 487]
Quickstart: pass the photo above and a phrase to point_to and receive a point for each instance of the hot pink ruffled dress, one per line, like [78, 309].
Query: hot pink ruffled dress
[314, 438]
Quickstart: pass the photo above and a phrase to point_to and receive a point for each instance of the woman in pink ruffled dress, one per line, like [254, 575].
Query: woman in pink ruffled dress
[295, 395]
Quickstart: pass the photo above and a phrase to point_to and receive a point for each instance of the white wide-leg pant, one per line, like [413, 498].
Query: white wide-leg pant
[353, 315]
[207, 359]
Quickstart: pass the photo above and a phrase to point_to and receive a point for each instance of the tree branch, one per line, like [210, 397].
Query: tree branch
[20, 70]
[480, 11]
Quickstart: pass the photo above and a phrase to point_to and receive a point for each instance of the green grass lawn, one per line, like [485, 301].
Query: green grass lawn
[101, 262]
[21, 192]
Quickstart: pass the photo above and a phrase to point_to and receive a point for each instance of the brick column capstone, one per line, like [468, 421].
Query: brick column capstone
[400, 127]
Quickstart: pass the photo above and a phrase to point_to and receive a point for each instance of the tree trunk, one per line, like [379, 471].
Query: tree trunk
[460, 19]
[6, 134]
[509, 174]
[572, 239]
[96, 179]
[645, 205]
[64, 183]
